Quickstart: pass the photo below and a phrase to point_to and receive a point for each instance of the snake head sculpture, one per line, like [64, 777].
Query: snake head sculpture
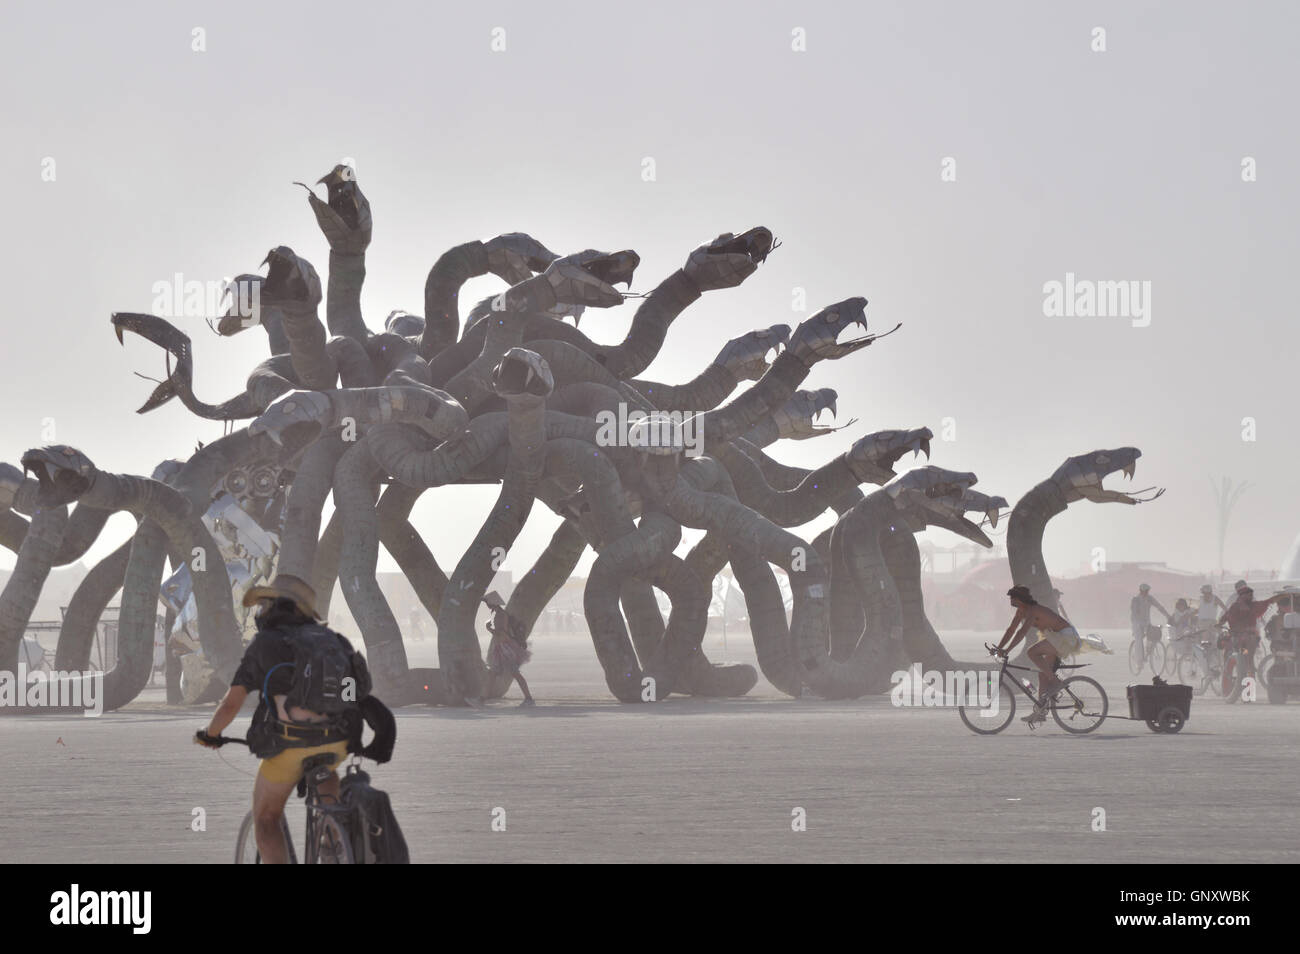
[746, 357]
[872, 458]
[930, 495]
[297, 409]
[1080, 478]
[588, 277]
[290, 278]
[815, 339]
[729, 259]
[949, 513]
[404, 323]
[168, 337]
[516, 256]
[245, 308]
[991, 507]
[521, 372]
[345, 217]
[796, 419]
[63, 472]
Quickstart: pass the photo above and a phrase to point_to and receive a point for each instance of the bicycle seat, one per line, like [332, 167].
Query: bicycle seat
[316, 761]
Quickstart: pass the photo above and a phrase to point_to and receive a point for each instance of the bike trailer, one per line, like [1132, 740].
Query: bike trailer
[1163, 708]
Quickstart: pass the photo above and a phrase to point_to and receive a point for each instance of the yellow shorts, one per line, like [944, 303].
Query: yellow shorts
[286, 768]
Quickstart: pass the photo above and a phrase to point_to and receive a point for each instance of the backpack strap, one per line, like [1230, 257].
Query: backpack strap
[266, 695]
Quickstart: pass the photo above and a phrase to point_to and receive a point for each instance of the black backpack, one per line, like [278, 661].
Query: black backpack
[376, 836]
[321, 668]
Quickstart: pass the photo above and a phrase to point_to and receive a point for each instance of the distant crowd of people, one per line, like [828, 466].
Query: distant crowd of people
[1238, 620]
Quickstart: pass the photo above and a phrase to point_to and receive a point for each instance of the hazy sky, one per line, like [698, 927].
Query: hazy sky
[1118, 165]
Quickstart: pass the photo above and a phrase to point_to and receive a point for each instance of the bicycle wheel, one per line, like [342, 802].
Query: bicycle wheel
[1157, 658]
[332, 844]
[246, 852]
[1230, 680]
[1135, 659]
[1264, 670]
[246, 843]
[994, 719]
[1081, 705]
[1193, 672]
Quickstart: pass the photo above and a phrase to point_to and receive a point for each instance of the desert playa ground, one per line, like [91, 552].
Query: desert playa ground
[583, 778]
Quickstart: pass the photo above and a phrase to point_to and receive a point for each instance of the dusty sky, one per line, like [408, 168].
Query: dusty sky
[1123, 165]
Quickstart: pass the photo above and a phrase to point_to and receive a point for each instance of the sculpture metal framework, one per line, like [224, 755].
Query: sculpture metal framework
[515, 397]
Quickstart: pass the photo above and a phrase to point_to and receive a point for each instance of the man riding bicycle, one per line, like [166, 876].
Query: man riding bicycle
[1139, 614]
[1242, 618]
[283, 734]
[1060, 639]
[1208, 610]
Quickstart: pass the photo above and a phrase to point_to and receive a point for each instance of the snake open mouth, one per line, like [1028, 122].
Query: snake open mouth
[916, 441]
[285, 280]
[174, 342]
[64, 473]
[757, 243]
[522, 372]
[341, 182]
[1086, 473]
[613, 268]
[950, 512]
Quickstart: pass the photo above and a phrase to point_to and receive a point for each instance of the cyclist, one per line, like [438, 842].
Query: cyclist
[1242, 618]
[1208, 610]
[1139, 614]
[1059, 639]
[1184, 632]
[285, 738]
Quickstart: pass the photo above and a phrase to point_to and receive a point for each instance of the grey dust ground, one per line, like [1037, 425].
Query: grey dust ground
[582, 778]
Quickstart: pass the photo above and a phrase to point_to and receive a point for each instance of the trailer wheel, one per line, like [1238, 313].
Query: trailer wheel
[1171, 719]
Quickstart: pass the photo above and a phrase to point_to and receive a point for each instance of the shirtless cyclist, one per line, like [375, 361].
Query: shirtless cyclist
[1060, 639]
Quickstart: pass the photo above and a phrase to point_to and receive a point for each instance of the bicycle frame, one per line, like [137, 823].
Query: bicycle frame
[1036, 700]
[317, 810]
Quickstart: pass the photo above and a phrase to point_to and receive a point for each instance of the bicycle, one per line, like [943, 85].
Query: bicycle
[1156, 657]
[1236, 667]
[326, 839]
[1078, 707]
[1202, 668]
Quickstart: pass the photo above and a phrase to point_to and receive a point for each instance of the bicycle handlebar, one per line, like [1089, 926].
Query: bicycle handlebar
[217, 740]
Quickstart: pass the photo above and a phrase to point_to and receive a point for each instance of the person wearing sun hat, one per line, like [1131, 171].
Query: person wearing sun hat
[283, 734]
[299, 592]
